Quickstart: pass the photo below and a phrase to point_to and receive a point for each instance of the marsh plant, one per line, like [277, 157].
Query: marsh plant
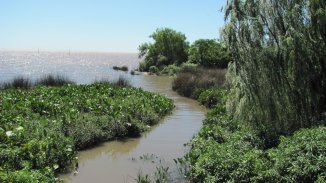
[42, 128]
[17, 83]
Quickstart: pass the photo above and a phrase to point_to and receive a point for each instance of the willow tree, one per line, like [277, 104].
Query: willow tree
[278, 72]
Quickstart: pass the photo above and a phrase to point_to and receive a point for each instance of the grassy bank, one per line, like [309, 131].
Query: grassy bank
[226, 150]
[42, 128]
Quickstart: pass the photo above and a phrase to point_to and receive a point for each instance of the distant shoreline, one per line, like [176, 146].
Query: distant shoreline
[64, 51]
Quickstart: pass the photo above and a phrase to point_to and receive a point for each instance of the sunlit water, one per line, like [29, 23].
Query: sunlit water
[121, 160]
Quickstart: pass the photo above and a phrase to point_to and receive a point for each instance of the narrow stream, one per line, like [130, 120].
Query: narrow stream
[122, 161]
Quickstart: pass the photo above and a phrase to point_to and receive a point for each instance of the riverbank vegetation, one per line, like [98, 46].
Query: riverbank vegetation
[192, 81]
[269, 123]
[171, 52]
[42, 127]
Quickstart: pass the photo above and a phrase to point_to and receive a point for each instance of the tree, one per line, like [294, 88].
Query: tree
[209, 53]
[169, 47]
[279, 64]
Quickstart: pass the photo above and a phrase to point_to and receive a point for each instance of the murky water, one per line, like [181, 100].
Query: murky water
[117, 161]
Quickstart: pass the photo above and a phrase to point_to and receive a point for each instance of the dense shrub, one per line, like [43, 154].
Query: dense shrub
[153, 69]
[190, 82]
[301, 157]
[211, 97]
[209, 53]
[169, 47]
[226, 150]
[170, 70]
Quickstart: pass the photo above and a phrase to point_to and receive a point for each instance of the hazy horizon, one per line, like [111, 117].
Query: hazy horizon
[102, 26]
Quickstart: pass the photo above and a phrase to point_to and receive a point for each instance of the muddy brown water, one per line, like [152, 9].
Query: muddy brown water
[117, 161]
[121, 161]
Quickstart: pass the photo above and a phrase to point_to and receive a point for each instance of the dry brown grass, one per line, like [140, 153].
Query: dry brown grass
[191, 82]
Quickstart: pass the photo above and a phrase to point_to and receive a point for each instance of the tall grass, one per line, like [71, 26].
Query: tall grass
[18, 82]
[25, 83]
[122, 82]
[50, 80]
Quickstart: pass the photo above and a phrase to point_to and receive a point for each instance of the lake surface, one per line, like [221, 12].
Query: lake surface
[120, 160]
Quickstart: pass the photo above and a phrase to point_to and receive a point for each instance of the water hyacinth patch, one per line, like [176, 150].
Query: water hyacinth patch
[41, 129]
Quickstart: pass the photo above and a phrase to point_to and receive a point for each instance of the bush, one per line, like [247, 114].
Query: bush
[191, 81]
[226, 150]
[209, 53]
[188, 66]
[211, 97]
[170, 70]
[184, 84]
[143, 67]
[153, 69]
[301, 157]
[218, 155]
[169, 47]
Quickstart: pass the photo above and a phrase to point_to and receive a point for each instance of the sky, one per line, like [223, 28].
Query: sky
[102, 25]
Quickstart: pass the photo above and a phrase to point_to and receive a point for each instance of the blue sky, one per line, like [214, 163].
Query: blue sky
[102, 25]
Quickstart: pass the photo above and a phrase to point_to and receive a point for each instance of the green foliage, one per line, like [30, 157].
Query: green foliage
[211, 97]
[153, 69]
[170, 70]
[226, 150]
[278, 74]
[41, 128]
[302, 157]
[209, 53]
[169, 47]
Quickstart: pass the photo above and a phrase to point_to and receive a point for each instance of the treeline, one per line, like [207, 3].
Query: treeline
[170, 50]
[269, 123]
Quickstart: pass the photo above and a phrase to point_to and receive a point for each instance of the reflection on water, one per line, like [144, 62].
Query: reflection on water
[115, 161]
[80, 67]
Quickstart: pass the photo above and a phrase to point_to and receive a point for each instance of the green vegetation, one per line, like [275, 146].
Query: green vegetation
[169, 47]
[225, 150]
[279, 72]
[170, 51]
[192, 81]
[41, 128]
[269, 121]
[209, 53]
